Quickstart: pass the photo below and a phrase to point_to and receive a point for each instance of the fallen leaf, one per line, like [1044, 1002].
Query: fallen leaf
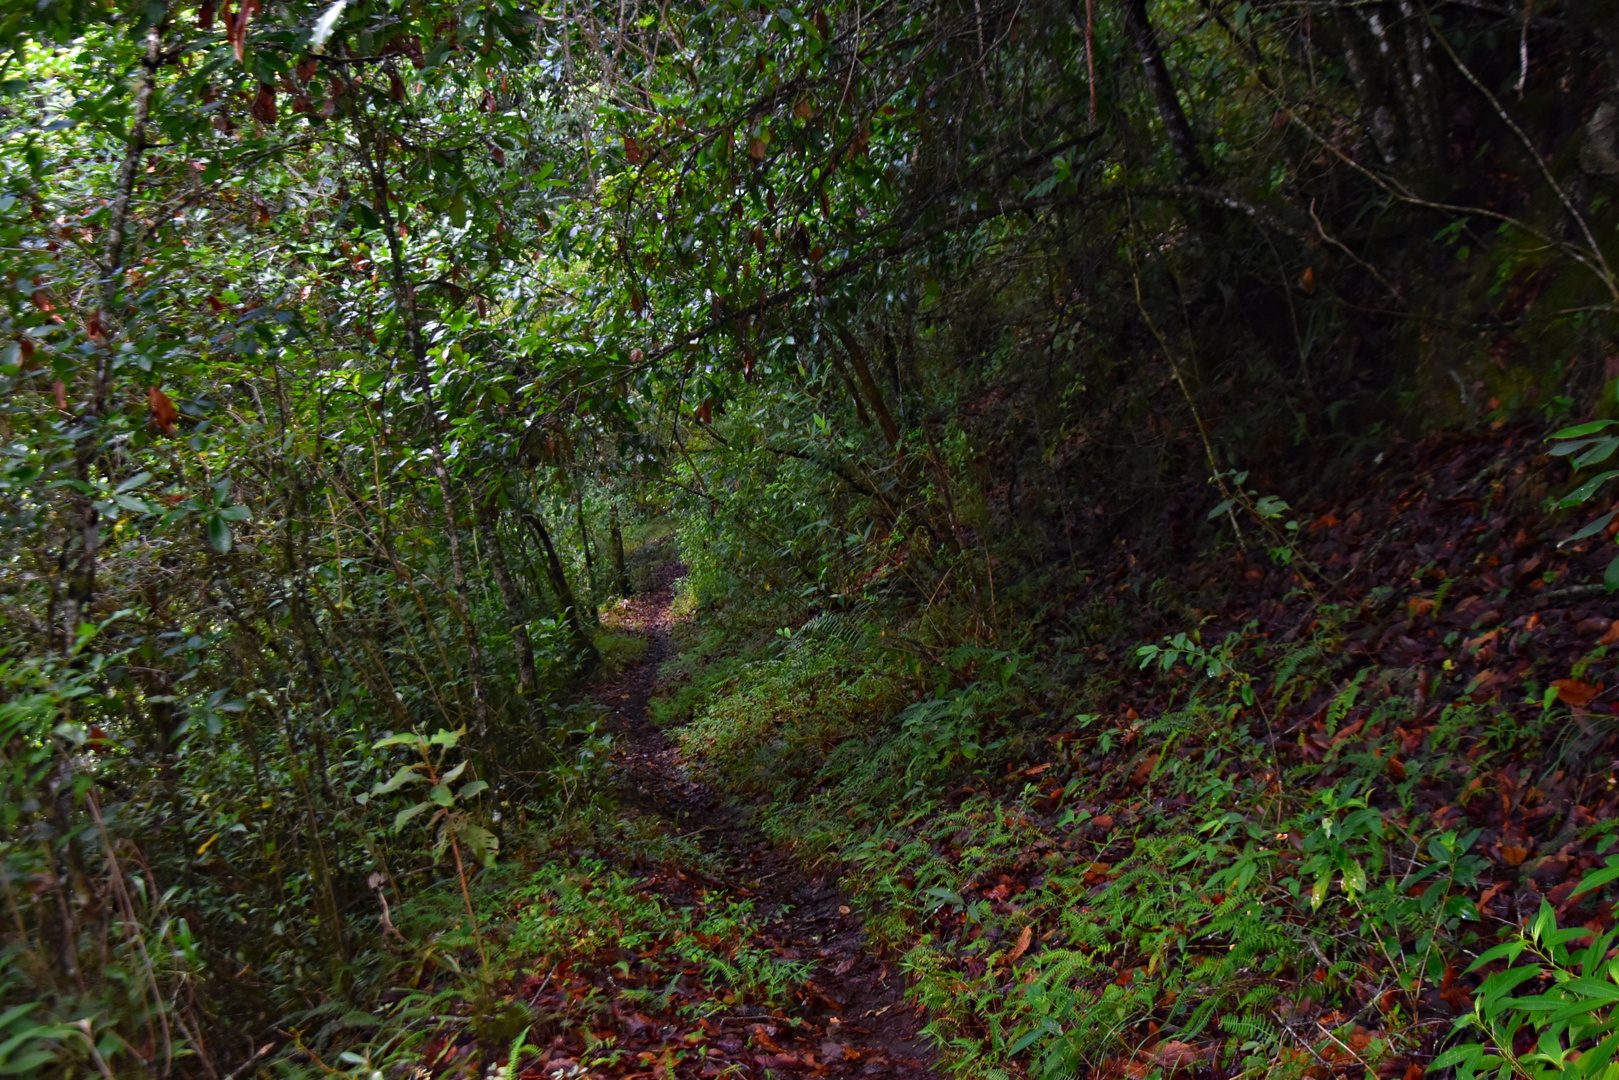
[1513, 855]
[1174, 1055]
[1489, 894]
[1022, 945]
[1576, 693]
[1144, 770]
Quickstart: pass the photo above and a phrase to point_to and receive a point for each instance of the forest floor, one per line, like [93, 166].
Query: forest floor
[1443, 683]
[835, 1005]
[1285, 870]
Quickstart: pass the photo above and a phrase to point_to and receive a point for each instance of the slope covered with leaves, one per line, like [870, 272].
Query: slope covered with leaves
[1275, 838]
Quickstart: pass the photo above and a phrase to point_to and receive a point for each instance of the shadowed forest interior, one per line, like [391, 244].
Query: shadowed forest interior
[885, 538]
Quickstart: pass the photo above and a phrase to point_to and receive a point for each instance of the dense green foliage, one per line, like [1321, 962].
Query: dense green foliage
[345, 347]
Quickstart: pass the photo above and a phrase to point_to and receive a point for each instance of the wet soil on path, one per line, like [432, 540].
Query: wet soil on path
[850, 1016]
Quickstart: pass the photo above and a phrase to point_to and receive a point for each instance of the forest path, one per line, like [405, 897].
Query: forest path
[849, 1016]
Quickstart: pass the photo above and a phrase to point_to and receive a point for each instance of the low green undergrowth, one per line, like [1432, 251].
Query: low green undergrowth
[1072, 890]
[566, 914]
[579, 940]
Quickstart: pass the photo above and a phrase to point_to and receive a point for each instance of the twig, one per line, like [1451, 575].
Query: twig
[1540, 163]
[241, 1070]
[85, 1032]
[1570, 590]
[543, 984]
[1343, 1044]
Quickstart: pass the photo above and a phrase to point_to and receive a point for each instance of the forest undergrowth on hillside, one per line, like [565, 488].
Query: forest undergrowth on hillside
[1241, 815]
[883, 538]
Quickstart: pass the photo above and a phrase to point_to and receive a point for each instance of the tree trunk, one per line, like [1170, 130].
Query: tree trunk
[874, 393]
[1163, 90]
[621, 577]
[584, 544]
[405, 300]
[104, 323]
[588, 656]
[508, 596]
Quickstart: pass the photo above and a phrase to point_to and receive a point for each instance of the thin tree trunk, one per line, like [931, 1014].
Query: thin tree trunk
[854, 392]
[1163, 89]
[405, 300]
[105, 319]
[526, 680]
[586, 646]
[584, 542]
[621, 576]
[874, 393]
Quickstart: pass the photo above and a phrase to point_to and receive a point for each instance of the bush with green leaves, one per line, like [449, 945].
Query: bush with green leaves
[1566, 1027]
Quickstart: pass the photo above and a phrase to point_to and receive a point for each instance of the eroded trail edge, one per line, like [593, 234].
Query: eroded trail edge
[849, 1016]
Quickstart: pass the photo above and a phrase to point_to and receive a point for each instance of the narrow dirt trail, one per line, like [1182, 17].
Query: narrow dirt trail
[850, 1018]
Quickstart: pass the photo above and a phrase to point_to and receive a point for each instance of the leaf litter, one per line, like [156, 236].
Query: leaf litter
[1461, 690]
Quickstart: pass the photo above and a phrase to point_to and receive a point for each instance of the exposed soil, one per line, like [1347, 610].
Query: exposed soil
[851, 1018]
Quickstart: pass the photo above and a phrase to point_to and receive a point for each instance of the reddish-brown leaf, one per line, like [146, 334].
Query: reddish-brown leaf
[1144, 770]
[263, 109]
[1576, 693]
[59, 388]
[1022, 945]
[1174, 1055]
[164, 414]
[94, 330]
